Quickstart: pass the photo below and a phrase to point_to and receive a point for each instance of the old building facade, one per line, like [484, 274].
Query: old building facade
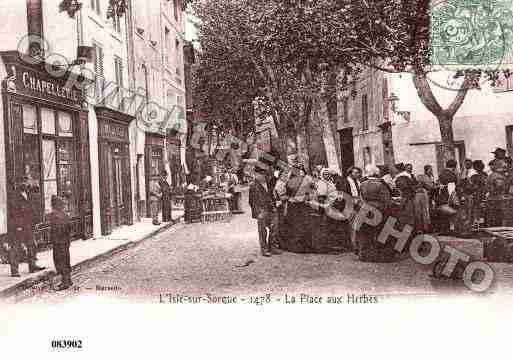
[364, 122]
[381, 120]
[72, 110]
[157, 40]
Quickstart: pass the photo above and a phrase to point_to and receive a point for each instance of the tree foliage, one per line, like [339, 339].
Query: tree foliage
[291, 50]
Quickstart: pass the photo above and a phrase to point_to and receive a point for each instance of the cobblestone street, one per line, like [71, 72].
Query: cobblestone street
[223, 259]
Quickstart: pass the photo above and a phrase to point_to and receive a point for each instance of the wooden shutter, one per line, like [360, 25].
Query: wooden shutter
[98, 69]
[127, 189]
[105, 177]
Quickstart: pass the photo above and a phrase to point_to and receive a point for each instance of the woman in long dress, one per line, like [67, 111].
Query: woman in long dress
[297, 221]
[325, 229]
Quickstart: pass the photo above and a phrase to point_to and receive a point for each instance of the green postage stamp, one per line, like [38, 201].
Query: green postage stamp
[472, 34]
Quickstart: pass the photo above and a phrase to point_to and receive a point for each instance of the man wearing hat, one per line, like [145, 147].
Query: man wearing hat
[23, 220]
[501, 160]
[262, 209]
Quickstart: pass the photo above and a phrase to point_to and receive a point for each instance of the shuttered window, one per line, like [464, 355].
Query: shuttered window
[118, 68]
[99, 69]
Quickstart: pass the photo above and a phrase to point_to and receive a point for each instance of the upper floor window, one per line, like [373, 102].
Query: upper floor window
[116, 22]
[365, 113]
[504, 83]
[95, 5]
[98, 69]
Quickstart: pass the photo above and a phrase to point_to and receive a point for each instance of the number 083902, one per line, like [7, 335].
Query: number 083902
[66, 344]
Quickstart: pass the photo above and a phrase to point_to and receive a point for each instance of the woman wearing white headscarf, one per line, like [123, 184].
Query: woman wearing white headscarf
[376, 193]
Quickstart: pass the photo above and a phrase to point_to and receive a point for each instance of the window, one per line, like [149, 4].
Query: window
[365, 113]
[30, 119]
[65, 124]
[345, 110]
[504, 83]
[47, 121]
[95, 5]
[116, 22]
[55, 172]
[31, 156]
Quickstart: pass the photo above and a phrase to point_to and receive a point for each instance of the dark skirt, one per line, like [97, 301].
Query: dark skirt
[370, 249]
[330, 235]
[297, 229]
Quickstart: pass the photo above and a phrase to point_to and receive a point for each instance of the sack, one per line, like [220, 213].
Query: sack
[446, 210]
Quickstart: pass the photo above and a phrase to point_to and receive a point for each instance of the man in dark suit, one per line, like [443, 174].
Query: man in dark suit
[23, 220]
[166, 197]
[448, 180]
[262, 209]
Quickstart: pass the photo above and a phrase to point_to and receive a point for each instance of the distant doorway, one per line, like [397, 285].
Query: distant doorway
[509, 140]
[346, 148]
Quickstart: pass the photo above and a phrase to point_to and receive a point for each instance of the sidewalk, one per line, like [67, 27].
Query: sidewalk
[82, 252]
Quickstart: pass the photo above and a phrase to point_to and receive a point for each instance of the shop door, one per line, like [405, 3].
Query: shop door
[119, 205]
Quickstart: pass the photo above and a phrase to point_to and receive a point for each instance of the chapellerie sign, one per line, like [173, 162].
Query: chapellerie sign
[36, 84]
[36, 81]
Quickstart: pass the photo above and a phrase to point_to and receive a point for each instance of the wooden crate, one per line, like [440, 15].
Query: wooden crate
[216, 208]
[499, 246]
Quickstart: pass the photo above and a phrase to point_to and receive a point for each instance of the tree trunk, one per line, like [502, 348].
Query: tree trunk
[447, 137]
[444, 116]
[302, 147]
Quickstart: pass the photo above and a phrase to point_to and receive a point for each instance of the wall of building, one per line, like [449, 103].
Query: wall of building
[159, 65]
[480, 122]
[97, 29]
[368, 142]
[13, 17]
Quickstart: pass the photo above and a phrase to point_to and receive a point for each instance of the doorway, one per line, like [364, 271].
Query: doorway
[119, 204]
[115, 186]
[346, 148]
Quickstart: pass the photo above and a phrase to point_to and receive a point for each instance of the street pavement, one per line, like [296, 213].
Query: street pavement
[223, 259]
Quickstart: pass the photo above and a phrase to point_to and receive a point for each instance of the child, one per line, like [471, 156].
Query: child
[60, 236]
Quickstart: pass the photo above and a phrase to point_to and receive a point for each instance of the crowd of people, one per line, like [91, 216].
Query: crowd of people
[457, 203]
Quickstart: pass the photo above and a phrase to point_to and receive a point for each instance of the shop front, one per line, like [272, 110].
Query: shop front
[115, 180]
[47, 142]
[154, 161]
